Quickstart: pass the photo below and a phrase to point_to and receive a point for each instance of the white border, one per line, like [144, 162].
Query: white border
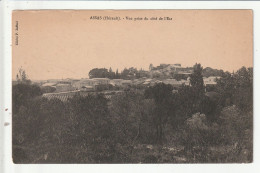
[7, 165]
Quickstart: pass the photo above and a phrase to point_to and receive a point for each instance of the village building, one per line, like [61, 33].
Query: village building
[116, 82]
[138, 81]
[126, 83]
[170, 70]
[83, 83]
[92, 84]
[210, 83]
[64, 87]
[169, 81]
[101, 81]
[49, 84]
[87, 88]
[212, 80]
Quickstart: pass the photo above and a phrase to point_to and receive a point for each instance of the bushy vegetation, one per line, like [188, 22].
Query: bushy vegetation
[151, 125]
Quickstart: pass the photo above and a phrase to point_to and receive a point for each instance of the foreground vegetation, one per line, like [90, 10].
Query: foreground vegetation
[153, 125]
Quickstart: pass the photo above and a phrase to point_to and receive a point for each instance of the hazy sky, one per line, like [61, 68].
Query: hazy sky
[67, 44]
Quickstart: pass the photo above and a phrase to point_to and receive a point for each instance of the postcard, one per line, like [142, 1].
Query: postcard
[132, 86]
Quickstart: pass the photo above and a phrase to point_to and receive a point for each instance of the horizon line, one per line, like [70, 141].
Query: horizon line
[128, 68]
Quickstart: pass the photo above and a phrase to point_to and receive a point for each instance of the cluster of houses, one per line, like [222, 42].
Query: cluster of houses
[169, 70]
[102, 84]
[173, 74]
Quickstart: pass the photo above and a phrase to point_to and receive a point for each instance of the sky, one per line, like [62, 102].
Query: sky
[56, 44]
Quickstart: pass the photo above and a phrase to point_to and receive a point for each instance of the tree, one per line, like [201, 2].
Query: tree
[210, 106]
[26, 119]
[23, 91]
[207, 72]
[91, 128]
[132, 116]
[185, 101]
[236, 129]
[237, 89]
[196, 91]
[150, 67]
[225, 87]
[196, 79]
[99, 73]
[243, 93]
[197, 136]
[21, 76]
[125, 73]
[117, 75]
[142, 73]
[111, 74]
[164, 106]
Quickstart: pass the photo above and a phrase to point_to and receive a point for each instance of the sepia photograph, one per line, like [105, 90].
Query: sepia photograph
[132, 86]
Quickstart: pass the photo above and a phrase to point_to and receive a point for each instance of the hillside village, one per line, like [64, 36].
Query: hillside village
[173, 74]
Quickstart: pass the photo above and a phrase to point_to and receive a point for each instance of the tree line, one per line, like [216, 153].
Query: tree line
[127, 73]
[203, 126]
[134, 73]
